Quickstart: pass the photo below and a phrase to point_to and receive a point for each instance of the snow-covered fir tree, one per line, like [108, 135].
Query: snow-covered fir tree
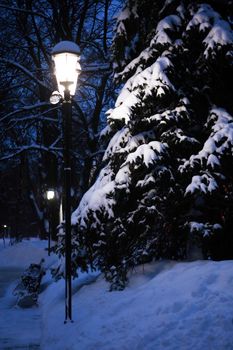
[167, 175]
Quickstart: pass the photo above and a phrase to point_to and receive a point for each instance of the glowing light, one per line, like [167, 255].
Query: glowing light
[50, 194]
[67, 68]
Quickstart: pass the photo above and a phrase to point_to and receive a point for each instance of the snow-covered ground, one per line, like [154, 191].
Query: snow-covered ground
[167, 305]
[20, 329]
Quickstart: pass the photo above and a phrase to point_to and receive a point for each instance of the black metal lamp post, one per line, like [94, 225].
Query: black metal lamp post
[66, 58]
[50, 194]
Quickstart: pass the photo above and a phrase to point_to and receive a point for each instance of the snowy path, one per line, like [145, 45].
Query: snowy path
[21, 329]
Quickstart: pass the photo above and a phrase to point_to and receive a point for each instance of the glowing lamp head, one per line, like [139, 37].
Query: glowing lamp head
[50, 194]
[66, 55]
[5, 226]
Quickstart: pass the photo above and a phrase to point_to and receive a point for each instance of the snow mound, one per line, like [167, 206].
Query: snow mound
[22, 254]
[167, 305]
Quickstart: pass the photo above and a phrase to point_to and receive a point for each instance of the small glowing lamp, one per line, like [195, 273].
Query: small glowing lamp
[50, 194]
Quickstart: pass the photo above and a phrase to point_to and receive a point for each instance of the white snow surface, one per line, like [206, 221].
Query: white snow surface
[20, 329]
[166, 306]
[21, 255]
[66, 46]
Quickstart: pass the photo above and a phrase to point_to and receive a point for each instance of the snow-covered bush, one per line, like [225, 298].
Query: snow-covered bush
[169, 161]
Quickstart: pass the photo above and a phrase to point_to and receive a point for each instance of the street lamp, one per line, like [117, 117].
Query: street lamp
[50, 194]
[66, 56]
[4, 234]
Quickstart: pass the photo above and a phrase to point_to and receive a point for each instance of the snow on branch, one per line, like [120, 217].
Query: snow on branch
[176, 115]
[117, 142]
[178, 136]
[149, 79]
[147, 153]
[209, 157]
[123, 177]
[96, 199]
[202, 18]
[202, 184]
[149, 179]
[135, 141]
[99, 198]
[220, 35]
[219, 31]
[219, 141]
[124, 16]
[144, 56]
[171, 23]
[205, 229]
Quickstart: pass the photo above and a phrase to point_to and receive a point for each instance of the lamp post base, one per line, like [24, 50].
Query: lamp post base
[68, 321]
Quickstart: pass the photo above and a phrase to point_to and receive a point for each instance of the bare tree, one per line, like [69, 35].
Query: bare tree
[30, 128]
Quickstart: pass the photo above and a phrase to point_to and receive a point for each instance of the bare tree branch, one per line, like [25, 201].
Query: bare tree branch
[25, 109]
[34, 147]
[25, 11]
[27, 72]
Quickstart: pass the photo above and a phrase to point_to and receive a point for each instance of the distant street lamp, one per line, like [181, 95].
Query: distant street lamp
[50, 194]
[66, 56]
[4, 234]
